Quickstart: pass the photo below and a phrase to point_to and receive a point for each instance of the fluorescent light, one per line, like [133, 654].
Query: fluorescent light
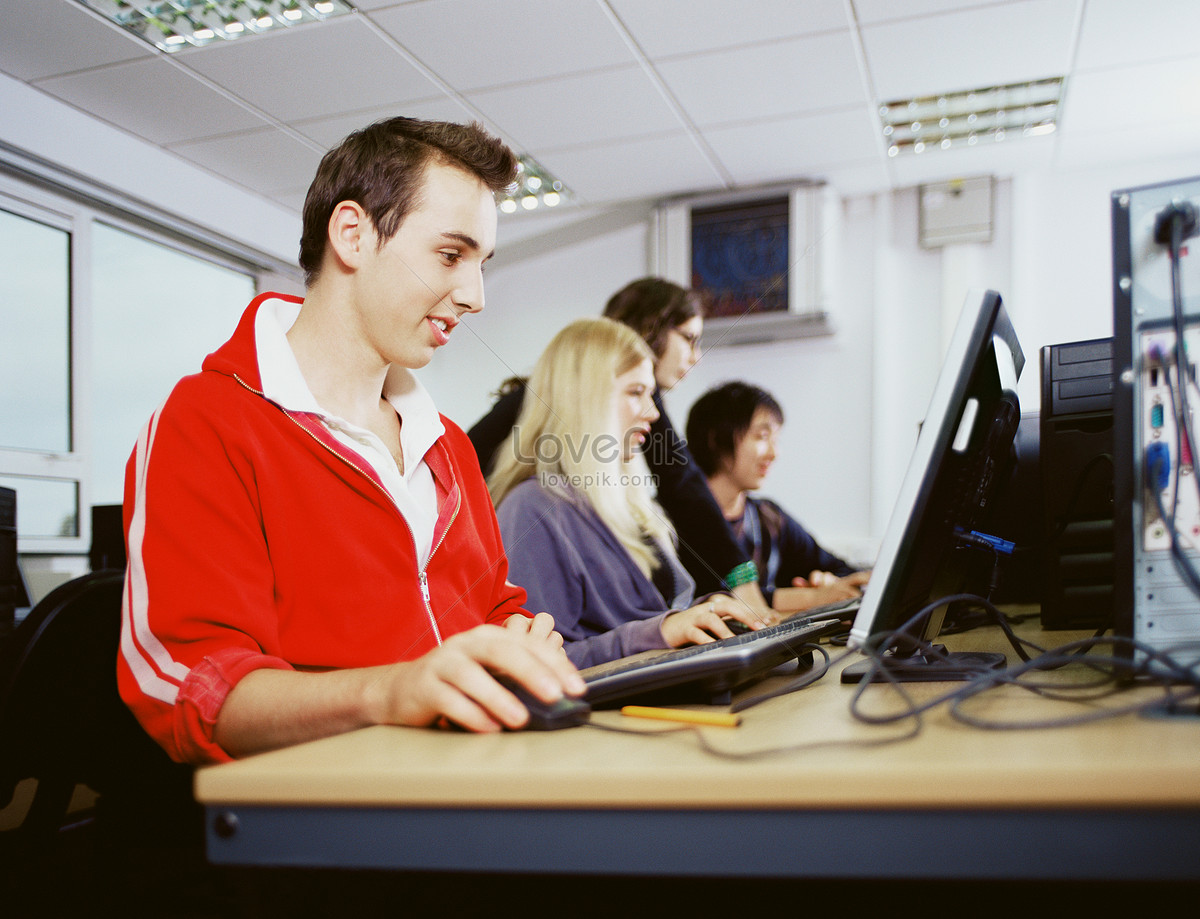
[966, 118]
[173, 25]
[534, 188]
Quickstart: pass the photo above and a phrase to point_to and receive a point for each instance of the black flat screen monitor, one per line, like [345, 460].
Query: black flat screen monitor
[108, 538]
[12, 588]
[936, 543]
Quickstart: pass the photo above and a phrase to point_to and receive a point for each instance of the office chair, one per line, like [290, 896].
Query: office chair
[63, 723]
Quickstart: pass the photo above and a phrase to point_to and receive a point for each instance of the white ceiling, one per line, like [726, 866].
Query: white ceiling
[628, 99]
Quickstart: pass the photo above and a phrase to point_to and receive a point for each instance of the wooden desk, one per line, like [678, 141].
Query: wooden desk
[1107, 800]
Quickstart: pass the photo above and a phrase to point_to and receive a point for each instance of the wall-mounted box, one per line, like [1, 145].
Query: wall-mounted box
[958, 211]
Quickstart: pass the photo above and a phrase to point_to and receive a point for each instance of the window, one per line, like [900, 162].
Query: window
[101, 315]
[35, 313]
[156, 312]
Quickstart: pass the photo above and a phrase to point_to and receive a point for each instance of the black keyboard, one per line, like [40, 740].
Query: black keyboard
[839, 609]
[709, 672]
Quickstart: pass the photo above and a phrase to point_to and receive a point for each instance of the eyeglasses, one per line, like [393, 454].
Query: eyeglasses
[692, 339]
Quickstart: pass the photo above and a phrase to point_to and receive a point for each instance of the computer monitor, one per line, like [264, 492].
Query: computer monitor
[108, 538]
[936, 544]
[12, 587]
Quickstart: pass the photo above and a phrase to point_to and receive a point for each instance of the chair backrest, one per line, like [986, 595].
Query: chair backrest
[62, 720]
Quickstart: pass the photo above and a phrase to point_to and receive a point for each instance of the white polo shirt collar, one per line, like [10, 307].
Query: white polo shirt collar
[413, 492]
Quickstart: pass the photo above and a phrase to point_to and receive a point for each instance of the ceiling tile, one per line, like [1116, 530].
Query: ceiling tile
[313, 70]
[154, 100]
[779, 89]
[293, 200]
[991, 46]
[1133, 97]
[875, 11]
[263, 161]
[712, 24]
[579, 109]
[1118, 32]
[329, 131]
[795, 148]
[370, 5]
[44, 37]
[780, 78]
[494, 43]
[645, 168]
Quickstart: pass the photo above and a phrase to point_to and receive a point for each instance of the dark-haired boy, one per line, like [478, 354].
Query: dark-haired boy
[732, 431]
[311, 545]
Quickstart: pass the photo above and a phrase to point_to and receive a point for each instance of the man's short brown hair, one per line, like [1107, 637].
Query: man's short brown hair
[381, 167]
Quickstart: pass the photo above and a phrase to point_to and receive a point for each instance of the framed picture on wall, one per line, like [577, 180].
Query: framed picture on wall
[763, 259]
[740, 257]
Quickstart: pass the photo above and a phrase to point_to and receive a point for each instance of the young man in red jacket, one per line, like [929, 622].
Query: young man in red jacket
[311, 545]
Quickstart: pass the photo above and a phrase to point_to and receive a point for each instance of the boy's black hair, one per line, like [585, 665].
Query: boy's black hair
[720, 417]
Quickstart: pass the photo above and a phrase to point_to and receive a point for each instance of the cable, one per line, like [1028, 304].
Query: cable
[810, 676]
[1175, 223]
[1171, 699]
[1105, 676]
[1105, 681]
[1178, 555]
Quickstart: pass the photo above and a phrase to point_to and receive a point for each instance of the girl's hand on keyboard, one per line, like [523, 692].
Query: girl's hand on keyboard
[705, 621]
[751, 595]
[832, 589]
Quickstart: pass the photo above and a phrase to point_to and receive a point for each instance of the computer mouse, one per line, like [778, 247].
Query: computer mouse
[567, 712]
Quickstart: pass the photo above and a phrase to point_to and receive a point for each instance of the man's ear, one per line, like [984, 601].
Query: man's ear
[351, 234]
[724, 459]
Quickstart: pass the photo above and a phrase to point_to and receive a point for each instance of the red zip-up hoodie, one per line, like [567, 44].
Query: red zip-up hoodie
[256, 539]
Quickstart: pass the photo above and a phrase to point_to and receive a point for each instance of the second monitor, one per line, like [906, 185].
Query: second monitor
[936, 543]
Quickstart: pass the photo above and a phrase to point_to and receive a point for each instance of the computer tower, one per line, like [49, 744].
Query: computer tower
[1016, 516]
[1076, 458]
[1156, 337]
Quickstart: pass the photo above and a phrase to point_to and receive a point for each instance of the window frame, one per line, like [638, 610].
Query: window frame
[70, 211]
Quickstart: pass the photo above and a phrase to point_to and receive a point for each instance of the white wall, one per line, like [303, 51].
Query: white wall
[1062, 247]
[852, 400]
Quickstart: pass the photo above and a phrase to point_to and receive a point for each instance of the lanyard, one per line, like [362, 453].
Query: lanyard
[752, 528]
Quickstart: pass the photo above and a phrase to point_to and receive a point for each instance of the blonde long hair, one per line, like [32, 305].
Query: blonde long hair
[567, 435]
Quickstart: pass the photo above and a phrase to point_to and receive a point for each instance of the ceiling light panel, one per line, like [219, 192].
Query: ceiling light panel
[177, 24]
[535, 188]
[988, 115]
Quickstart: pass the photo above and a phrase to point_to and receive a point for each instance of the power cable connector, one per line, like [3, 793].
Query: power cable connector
[1178, 217]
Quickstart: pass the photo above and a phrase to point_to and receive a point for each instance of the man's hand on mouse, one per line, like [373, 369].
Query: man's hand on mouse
[455, 682]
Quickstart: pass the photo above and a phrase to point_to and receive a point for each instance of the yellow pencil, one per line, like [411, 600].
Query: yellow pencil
[718, 719]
